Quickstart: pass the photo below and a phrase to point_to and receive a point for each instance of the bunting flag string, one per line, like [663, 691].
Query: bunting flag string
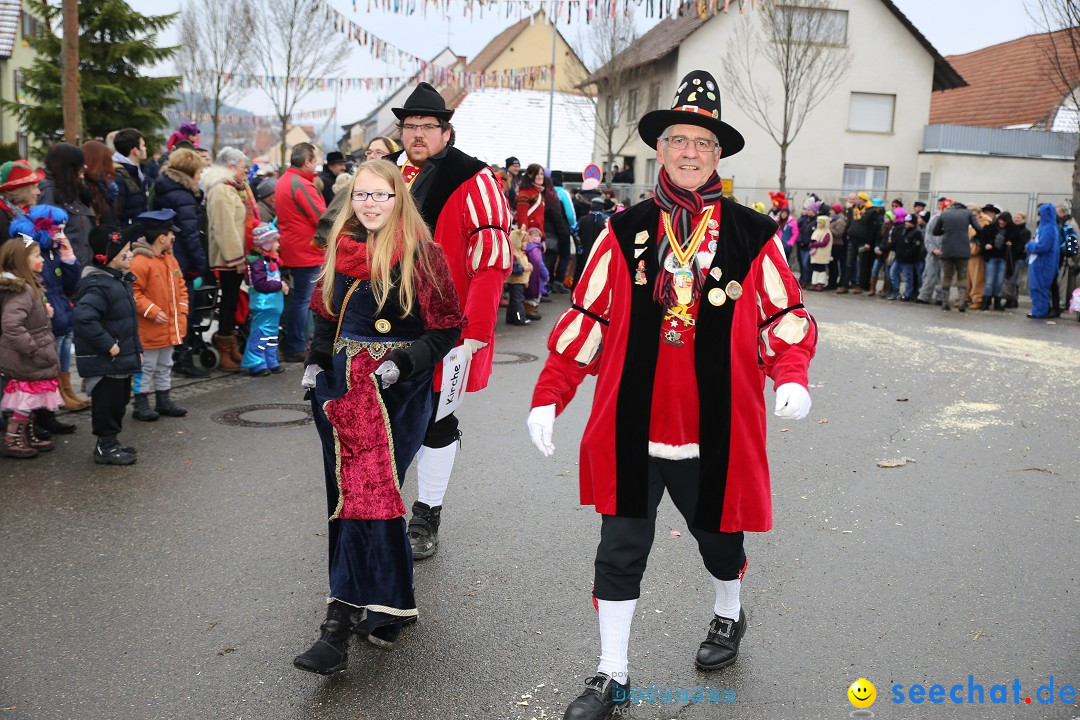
[178, 116]
[509, 78]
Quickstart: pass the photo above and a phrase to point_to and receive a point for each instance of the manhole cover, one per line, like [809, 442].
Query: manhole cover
[506, 357]
[268, 415]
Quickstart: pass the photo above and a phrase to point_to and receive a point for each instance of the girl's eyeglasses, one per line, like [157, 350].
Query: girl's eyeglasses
[377, 196]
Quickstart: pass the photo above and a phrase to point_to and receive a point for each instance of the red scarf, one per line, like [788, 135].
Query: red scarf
[351, 257]
[682, 205]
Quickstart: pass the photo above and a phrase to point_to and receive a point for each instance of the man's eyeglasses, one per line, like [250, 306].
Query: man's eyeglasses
[377, 196]
[409, 127]
[679, 142]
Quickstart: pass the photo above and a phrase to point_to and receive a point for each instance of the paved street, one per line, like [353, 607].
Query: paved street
[183, 586]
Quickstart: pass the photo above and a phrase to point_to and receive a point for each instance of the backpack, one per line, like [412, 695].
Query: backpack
[1070, 242]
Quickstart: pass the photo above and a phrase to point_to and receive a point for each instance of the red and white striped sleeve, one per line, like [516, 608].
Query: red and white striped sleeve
[487, 224]
[787, 333]
[576, 340]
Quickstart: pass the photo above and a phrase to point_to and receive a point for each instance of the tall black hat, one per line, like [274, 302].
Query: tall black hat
[425, 101]
[697, 102]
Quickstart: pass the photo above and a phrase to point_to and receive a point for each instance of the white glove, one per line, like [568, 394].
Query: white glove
[792, 401]
[388, 373]
[471, 346]
[309, 376]
[541, 424]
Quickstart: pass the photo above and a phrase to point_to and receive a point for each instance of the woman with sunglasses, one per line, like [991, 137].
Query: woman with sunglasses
[386, 314]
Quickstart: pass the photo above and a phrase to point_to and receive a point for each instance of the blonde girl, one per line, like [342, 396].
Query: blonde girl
[386, 314]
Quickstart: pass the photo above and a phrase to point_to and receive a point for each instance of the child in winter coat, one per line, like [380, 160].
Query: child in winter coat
[58, 278]
[267, 291]
[820, 253]
[27, 348]
[107, 346]
[161, 300]
[907, 244]
[519, 279]
[537, 285]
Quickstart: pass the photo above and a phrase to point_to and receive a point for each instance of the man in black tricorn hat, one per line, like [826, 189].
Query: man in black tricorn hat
[464, 206]
[685, 306]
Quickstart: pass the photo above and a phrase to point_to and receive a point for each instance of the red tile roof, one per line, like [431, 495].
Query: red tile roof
[1008, 84]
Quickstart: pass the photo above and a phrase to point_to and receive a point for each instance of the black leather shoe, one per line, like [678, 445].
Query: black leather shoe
[603, 697]
[330, 653]
[721, 646]
[46, 420]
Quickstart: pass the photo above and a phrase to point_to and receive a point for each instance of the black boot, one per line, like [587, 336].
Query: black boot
[424, 530]
[142, 410]
[164, 405]
[46, 420]
[986, 302]
[184, 366]
[108, 451]
[721, 646]
[330, 653]
[601, 699]
[999, 303]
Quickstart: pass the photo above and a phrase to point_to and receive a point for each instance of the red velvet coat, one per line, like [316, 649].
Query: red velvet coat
[613, 330]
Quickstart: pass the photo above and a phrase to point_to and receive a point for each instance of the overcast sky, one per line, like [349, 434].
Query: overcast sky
[952, 26]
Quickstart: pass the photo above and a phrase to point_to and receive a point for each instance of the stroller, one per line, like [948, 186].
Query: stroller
[206, 307]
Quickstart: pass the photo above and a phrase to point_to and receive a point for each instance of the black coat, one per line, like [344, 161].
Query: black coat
[556, 226]
[131, 197]
[328, 179]
[175, 191]
[908, 244]
[105, 315]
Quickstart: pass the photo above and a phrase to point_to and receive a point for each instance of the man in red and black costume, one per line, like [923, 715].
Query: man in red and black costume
[685, 305]
[463, 204]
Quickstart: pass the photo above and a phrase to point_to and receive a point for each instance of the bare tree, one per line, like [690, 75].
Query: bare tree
[609, 86]
[300, 43]
[805, 43]
[210, 53]
[1061, 21]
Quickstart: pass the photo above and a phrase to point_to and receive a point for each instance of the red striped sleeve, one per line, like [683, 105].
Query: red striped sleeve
[487, 225]
[578, 334]
[787, 337]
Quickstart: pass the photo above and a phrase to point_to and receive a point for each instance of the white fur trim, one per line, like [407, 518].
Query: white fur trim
[673, 452]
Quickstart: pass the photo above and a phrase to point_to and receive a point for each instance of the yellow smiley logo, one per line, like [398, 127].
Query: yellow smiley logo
[862, 693]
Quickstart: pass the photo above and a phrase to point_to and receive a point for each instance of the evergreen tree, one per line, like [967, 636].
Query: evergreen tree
[116, 46]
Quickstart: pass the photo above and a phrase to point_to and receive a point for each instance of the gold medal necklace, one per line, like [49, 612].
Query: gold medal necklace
[683, 280]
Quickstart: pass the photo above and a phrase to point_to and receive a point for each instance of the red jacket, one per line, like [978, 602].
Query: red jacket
[299, 207]
[613, 330]
[471, 230]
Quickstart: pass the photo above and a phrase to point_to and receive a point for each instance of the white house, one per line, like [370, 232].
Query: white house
[866, 135]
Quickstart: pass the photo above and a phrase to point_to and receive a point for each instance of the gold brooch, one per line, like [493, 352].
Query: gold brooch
[734, 290]
[717, 297]
[382, 325]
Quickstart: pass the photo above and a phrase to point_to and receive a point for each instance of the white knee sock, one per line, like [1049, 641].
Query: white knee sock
[615, 619]
[433, 468]
[727, 598]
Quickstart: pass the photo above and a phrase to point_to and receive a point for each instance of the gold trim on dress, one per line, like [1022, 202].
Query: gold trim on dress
[377, 350]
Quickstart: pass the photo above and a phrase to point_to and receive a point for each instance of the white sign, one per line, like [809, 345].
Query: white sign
[455, 376]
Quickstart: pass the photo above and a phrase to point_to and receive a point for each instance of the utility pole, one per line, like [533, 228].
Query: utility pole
[71, 71]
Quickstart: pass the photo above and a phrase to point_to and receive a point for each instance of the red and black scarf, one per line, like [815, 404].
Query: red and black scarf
[682, 205]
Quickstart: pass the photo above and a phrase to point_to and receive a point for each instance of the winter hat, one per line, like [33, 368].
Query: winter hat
[865, 196]
[590, 184]
[900, 214]
[265, 188]
[597, 203]
[18, 173]
[823, 221]
[265, 236]
[877, 202]
[837, 208]
[40, 224]
[512, 161]
[106, 242]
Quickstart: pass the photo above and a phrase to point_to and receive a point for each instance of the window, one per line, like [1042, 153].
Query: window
[23, 141]
[20, 88]
[810, 25]
[29, 25]
[865, 177]
[631, 106]
[924, 187]
[614, 111]
[651, 173]
[654, 97]
[871, 112]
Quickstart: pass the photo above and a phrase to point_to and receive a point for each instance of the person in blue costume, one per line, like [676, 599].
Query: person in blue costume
[386, 314]
[1043, 261]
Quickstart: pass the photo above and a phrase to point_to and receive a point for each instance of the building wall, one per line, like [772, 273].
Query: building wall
[887, 59]
[21, 57]
[1012, 183]
[532, 48]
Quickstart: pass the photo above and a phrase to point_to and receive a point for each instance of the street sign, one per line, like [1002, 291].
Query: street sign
[592, 172]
